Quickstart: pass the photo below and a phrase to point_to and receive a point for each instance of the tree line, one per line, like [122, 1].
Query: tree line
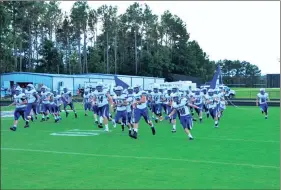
[36, 36]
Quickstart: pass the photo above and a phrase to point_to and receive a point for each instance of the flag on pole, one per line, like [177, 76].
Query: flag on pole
[119, 82]
[216, 81]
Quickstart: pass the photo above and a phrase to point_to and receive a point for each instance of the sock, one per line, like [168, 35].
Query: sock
[216, 123]
[174, 127]
[43, 116]
[15, 126]
[96, 119]
[106, 126]
[136, 130]
[101, 119]
[189, 135]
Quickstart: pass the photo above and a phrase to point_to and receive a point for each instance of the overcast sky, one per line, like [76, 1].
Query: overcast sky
[234, 30]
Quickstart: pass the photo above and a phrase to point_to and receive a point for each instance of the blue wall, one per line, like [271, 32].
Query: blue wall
[23, 77]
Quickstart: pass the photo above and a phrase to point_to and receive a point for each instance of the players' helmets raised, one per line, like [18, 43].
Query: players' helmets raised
[18, 90]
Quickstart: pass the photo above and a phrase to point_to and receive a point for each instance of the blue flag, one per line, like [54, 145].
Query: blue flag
[119, 82]
[216, 81]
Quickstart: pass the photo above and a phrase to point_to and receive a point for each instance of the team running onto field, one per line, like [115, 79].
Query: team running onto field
[128, 106]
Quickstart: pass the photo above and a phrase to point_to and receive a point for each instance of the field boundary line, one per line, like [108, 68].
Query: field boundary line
[143, 158]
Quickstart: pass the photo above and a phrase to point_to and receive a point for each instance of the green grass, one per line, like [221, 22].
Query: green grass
[244, 153]
[274, 93]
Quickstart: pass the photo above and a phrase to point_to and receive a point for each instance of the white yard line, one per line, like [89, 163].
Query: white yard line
[245, 140]
[143, 158]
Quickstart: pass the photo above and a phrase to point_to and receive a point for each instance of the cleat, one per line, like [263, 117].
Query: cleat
[190, 138]
[66, 114]
[208, 115]
[123, 128]
[36, 117]
[26, 126]
[47, 118]
[173, 130]
[134, 135]
[75, 115]
[153, 130]
[43, 119]
[86, 114]
[96, 122]
[130, 132]
[13, 128]
[106, 130]
[193, 119]
[156, 120]
[100, 125]
[32, 119]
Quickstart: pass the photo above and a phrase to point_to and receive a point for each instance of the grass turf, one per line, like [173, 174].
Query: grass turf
[274, 93]
[243, 153]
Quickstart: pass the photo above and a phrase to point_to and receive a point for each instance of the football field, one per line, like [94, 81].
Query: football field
[243, 153]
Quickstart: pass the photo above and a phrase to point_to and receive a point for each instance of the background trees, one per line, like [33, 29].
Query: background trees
[38, 37]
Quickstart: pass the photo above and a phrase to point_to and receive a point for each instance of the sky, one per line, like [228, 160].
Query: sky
[234, 30]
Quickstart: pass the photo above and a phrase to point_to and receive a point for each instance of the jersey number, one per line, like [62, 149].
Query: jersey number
[100, 98]
[182, 111]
